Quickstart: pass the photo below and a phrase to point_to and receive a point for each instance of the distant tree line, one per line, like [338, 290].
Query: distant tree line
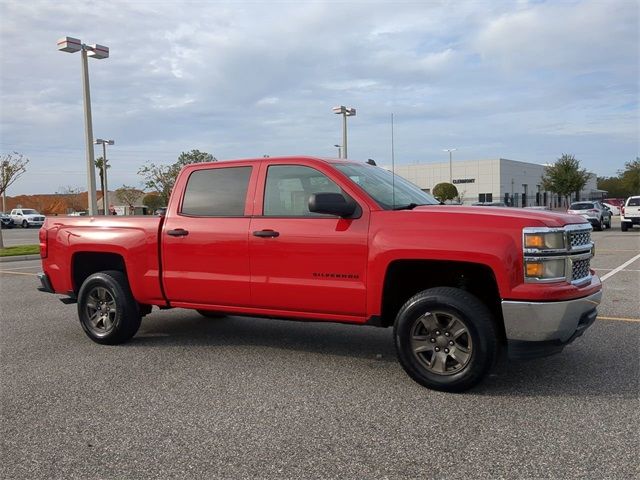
[625, 184]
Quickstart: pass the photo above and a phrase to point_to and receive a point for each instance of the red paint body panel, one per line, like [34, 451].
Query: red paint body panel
[316, 268]
[133, 238]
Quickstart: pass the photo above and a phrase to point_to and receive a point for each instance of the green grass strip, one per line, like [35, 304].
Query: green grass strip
[20, 250]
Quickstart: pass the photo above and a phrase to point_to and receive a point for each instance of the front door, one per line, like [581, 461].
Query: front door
[303, 261]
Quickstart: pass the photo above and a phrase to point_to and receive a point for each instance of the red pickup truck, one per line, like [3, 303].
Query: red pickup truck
[329, 240]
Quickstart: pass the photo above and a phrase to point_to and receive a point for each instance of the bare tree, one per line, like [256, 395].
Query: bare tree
[129, 196]
[72, 198]
[14, 165]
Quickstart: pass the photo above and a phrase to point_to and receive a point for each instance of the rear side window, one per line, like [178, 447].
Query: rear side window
[216, 192]
[634, 202]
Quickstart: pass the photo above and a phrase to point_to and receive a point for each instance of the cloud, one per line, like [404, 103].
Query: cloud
[240, 79]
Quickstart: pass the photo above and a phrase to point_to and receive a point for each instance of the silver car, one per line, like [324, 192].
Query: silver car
[598, 215]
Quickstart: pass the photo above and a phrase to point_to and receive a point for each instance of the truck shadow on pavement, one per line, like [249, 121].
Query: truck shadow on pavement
[586, 368]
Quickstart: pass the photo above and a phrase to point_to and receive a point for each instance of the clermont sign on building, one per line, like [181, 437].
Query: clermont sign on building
[515, 183]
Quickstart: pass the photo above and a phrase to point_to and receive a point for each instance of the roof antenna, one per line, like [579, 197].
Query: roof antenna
[371, 161]
[393, 169]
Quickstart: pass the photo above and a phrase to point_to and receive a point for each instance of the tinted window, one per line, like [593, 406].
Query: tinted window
[581, 206]
[634, 202]
[289, 187]
[217, 192]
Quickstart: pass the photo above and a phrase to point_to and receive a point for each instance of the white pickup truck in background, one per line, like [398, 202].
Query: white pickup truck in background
[630, 214]
[26, 217]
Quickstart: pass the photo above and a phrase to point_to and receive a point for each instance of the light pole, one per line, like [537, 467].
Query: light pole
[105, 193]
[339, 147]
[72, 45]
[5, 164]
[345, 112]
[450, 163]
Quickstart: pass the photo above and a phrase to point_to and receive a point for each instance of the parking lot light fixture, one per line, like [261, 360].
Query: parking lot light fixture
[72, 45]
[345, 112]
[339, 147]
[450, 163]
[105, 194]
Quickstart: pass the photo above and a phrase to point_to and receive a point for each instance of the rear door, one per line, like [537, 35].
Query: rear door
[205, 249]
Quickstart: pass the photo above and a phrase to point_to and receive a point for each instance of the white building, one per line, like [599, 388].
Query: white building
[515, 183]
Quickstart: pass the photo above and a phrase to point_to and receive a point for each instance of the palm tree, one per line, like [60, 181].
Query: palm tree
[99, 161]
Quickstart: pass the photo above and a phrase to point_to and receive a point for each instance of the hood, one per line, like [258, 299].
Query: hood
[498, 215]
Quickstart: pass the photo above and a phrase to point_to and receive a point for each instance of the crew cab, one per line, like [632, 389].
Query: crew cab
[332, 240]
[27, 217]
[630, 213]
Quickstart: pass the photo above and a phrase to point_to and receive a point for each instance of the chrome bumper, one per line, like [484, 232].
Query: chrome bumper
[549, 321]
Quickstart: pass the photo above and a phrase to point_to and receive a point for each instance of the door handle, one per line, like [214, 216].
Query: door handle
[178, 232]
[266, 233]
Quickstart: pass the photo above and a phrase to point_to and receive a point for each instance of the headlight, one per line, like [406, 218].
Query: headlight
[544, 241]
[545, 268]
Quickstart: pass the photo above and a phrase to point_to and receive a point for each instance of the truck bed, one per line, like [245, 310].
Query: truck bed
[73, 243]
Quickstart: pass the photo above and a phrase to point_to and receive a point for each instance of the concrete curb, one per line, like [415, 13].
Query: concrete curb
[17, 258]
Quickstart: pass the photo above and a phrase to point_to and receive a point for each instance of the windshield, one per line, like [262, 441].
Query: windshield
[379, 183]
[28, 211]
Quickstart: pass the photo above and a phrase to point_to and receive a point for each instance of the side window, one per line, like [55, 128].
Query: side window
[289, 187]
[216, 192]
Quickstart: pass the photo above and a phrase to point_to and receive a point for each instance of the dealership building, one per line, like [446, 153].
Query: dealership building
[515, 183]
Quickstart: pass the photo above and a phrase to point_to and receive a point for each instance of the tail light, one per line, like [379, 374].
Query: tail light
[622, 210]
[43, 236]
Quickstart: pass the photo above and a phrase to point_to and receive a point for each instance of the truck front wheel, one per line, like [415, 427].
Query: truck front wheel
[107, 310]
[445, 339]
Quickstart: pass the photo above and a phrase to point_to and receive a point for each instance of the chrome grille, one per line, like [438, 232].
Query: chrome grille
[39, 219]
[580, 238]
[580, 269]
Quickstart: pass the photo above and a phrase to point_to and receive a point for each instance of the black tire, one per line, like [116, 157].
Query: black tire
[108, 313]
[598, 226]
[211, 314]
[439, 305]
[623, 226]
[25, 224]
[608, 224]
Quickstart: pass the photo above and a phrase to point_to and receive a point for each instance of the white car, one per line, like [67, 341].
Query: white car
[614, 210]
[630, 214]
[26, 217]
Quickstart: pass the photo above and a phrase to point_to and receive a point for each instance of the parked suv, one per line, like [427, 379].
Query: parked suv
[598, 215]
[630, 214]
[6, 221]
[27, 217]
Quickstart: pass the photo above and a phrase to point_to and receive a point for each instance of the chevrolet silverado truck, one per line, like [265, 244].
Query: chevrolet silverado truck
[304, 238]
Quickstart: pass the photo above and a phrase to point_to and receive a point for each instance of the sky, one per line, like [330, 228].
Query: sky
[524, 80]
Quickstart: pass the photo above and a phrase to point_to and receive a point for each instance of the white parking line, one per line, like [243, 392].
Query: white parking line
[617, 269]
[18, 273]
[24, 268]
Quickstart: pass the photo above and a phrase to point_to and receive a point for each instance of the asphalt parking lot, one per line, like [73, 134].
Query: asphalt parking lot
[19, 236]
[237, 397]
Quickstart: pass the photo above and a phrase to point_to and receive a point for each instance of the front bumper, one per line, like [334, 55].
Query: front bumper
[542, 328]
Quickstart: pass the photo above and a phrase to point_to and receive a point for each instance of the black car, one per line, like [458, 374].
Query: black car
[7, 221]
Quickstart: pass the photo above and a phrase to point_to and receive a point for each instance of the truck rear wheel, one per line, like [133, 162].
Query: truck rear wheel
[623, 226]
[445, 339]
[107, 310]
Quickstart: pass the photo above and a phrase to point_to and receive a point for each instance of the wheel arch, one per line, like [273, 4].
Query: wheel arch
[404, 278]
[84, 264]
